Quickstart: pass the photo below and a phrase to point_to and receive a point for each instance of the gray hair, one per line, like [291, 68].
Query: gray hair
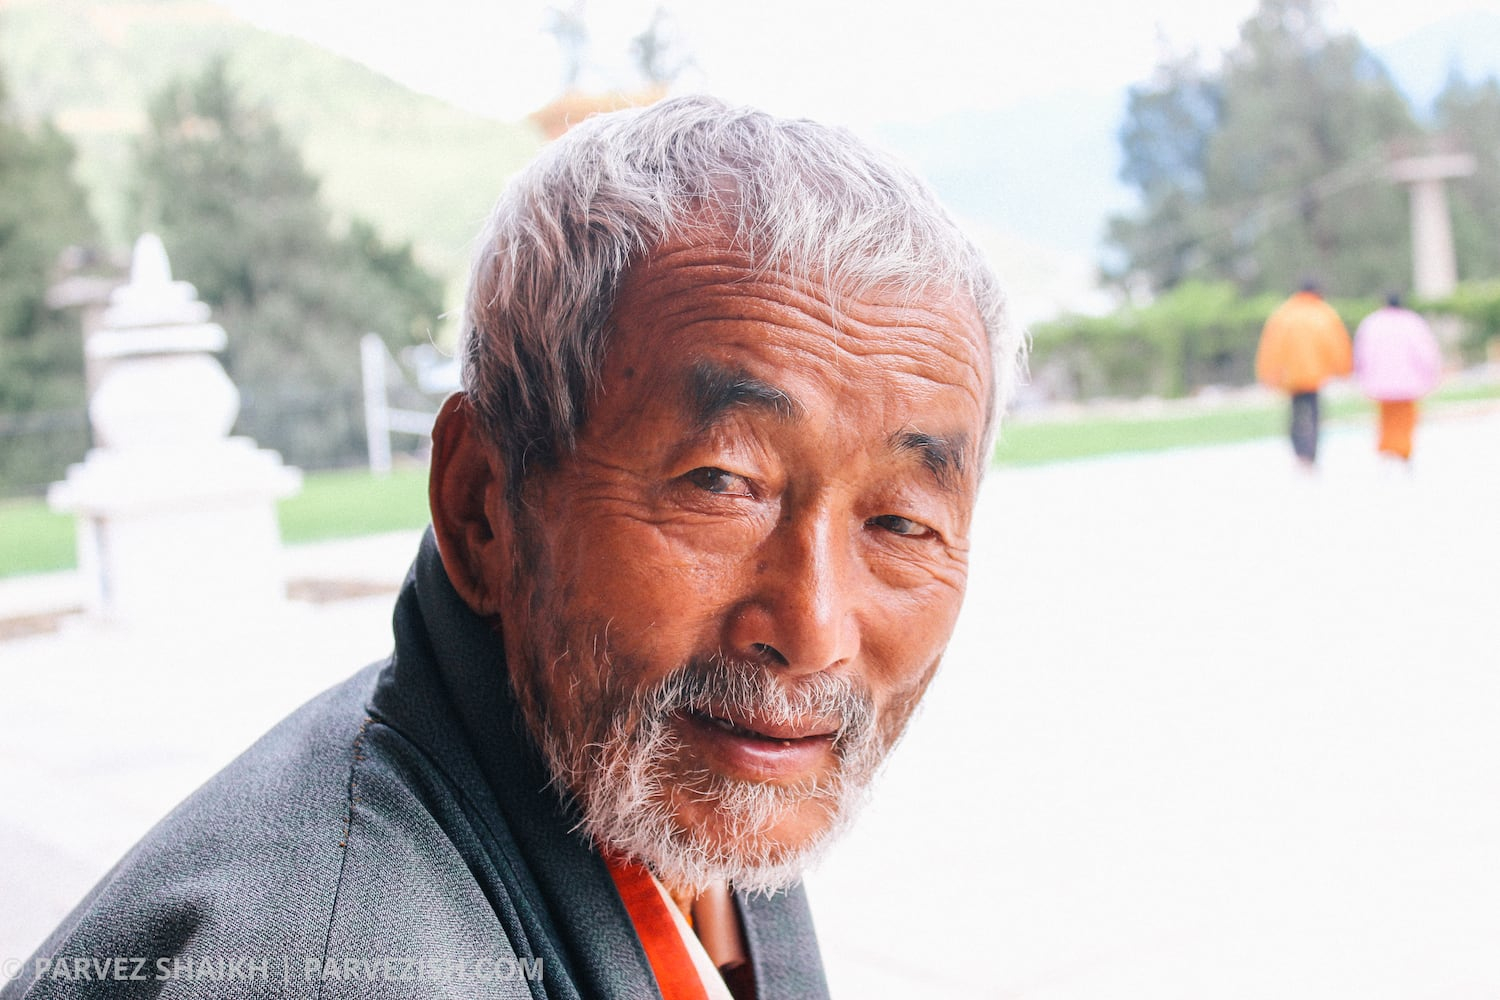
[796, 197]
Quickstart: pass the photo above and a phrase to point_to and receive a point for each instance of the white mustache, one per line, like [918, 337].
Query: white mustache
[725, 687]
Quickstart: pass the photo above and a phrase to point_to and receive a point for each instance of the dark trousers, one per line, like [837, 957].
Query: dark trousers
[1305, 425]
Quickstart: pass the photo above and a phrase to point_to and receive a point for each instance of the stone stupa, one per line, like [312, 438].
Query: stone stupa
[175, 517]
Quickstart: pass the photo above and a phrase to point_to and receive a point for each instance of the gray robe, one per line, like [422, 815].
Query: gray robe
[391, 838]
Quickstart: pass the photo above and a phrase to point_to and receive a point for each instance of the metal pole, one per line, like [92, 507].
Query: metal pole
[372, 360]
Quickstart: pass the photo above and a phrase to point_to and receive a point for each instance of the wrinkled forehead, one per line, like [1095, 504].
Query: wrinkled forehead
[699, 331]
[731, 258]
[845, 262]
[707, 275]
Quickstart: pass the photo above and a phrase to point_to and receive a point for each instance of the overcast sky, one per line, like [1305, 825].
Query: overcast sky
[854, 63]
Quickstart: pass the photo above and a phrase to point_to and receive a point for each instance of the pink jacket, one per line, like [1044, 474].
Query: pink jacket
[1395, 355]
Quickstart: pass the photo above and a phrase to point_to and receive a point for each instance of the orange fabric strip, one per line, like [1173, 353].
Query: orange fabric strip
[1398, 420]
[676, 975]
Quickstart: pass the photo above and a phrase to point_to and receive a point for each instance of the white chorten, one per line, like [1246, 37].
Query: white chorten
[175, 518]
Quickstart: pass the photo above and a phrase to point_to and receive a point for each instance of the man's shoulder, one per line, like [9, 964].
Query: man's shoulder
[245, 862]
[291, 784]
[309, 864]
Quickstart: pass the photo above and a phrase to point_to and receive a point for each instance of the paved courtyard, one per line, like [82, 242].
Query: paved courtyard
[1209, 729]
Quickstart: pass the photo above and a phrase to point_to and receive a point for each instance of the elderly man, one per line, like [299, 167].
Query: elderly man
[700, 535]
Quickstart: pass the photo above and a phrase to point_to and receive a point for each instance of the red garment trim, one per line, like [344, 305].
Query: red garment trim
[676, 975]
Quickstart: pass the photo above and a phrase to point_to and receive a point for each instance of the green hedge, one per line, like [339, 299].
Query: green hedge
[1477, 304]
[1203, 334]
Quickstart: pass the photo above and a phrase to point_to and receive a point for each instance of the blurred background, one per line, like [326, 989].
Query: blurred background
[1208, 728]
[1147, 183]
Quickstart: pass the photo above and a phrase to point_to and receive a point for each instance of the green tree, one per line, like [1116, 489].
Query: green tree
[657, 50]
[1289, 179]
[43, 211]
[242, 219]
[1164, 144]
[1468, 119]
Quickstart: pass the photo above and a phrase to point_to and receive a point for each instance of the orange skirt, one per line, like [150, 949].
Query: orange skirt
[1398, 419]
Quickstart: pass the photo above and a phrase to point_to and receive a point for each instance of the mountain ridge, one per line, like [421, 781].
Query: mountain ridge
[417, 167]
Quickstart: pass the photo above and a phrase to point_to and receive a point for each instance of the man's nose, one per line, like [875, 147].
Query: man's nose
[800, 613]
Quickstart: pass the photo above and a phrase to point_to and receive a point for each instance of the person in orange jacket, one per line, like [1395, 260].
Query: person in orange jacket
[1303, 345]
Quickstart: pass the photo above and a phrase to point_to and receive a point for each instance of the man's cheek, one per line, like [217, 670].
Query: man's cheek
[660, 617]
[901, 703]
[688, 566]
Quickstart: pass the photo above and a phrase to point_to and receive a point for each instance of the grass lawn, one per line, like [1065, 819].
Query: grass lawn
[33, 539]
[1026, 442]
[1029, 443]
[340, 504]
[352, 502]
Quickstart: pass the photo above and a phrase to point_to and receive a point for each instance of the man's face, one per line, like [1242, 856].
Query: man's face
[732, 594]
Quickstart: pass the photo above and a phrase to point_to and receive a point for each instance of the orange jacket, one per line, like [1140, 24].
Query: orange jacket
[1303, 344]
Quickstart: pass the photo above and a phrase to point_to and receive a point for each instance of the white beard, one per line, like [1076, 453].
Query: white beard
[615, 769]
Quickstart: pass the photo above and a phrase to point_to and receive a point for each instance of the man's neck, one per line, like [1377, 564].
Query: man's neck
[684, 897]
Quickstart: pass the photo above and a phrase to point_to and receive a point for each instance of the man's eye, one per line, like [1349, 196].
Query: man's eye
[718, 481]
[903, 526]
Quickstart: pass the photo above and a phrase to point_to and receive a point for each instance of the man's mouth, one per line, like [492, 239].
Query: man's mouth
[760, 749]
[769, 731]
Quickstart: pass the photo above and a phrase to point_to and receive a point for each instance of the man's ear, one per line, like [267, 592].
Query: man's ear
[470, 518]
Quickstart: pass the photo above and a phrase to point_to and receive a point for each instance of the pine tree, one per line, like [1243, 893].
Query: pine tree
[1278, 165]
[1468, 118]
[243, 220]
[1164, 145]
[43, 211]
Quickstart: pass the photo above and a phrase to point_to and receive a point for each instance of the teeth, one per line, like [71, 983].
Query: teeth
[730, 727]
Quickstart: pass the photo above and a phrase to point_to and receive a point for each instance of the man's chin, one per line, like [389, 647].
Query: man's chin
[792, 832]
[696, 858]
[755, 846]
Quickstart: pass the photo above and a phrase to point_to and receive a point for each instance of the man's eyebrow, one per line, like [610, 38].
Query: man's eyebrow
[941, 455]
[713, 390]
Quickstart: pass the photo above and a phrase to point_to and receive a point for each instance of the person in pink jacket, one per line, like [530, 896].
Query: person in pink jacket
[1396, 363]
